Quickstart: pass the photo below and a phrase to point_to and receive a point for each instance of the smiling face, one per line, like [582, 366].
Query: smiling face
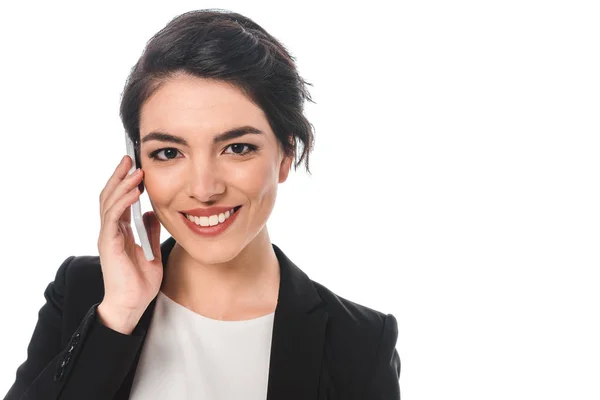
[195, 166]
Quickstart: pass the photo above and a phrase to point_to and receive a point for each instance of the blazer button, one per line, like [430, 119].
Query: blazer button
[74, 340]
[58, 374]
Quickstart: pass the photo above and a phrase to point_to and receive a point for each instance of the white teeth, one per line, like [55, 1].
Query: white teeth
[212, 220]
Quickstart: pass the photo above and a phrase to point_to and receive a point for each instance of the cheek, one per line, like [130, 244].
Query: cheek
[257, 180]
[159, 187]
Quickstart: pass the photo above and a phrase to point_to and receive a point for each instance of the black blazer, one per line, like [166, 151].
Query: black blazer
[323, 346]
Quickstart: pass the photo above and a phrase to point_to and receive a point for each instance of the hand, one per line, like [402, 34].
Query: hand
[130, 281]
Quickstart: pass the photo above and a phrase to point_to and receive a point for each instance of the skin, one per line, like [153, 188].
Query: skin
[234, 275]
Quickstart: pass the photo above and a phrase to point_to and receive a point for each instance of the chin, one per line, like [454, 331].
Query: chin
[218, 252]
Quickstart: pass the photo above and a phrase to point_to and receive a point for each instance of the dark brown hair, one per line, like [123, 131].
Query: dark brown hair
[223, 45]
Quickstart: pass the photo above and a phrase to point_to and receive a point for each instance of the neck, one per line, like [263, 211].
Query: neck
[243, 288]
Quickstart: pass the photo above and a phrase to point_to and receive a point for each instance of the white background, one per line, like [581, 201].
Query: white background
[455, 175]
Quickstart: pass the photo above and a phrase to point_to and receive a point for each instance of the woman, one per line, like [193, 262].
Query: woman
[214, 106]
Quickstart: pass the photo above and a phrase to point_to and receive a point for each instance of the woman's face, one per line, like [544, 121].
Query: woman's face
[199, 171]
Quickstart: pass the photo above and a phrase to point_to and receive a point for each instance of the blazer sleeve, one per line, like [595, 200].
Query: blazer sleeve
[92, 365]
[385, 381]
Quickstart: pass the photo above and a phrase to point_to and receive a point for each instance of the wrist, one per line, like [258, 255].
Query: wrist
[122, 321]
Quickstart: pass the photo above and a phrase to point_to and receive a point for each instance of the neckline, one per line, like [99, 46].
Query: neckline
[202, 317]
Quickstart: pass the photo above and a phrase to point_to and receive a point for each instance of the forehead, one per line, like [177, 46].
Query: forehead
[186, 105]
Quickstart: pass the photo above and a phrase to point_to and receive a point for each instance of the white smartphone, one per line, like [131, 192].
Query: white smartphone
[136, 209]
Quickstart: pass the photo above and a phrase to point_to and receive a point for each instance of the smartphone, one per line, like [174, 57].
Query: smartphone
[136, 209]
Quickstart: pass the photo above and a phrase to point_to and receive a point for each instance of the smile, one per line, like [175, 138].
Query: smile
[212, 220]
[211, 225]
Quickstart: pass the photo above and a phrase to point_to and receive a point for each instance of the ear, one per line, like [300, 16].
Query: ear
[284, 168]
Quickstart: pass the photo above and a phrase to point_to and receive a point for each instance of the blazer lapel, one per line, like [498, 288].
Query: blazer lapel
[298, 336]
[297, 341]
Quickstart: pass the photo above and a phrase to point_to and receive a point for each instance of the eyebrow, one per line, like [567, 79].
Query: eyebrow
[221, 137]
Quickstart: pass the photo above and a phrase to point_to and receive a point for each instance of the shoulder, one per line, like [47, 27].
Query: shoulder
[84, 267]
[350, 312]
[75, 270]
[354, 326]
[360, 343]
[80, 284]
[82, 274]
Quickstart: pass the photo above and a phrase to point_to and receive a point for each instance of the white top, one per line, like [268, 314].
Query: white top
[189, 356]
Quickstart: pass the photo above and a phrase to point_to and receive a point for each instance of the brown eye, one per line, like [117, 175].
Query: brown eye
[238, 148]
[172, 152]
[169, 152]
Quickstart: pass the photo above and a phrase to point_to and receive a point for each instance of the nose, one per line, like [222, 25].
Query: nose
[205, 180]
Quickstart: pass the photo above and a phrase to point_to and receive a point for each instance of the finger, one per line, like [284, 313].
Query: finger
[122, 189]
[118, 175]
[127, 232]
[126, 216]
[111, 219]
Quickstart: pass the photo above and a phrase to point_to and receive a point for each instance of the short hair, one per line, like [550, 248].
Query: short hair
[229, 47]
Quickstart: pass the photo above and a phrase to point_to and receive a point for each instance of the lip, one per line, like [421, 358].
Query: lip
[211, 230]
[207, 212]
